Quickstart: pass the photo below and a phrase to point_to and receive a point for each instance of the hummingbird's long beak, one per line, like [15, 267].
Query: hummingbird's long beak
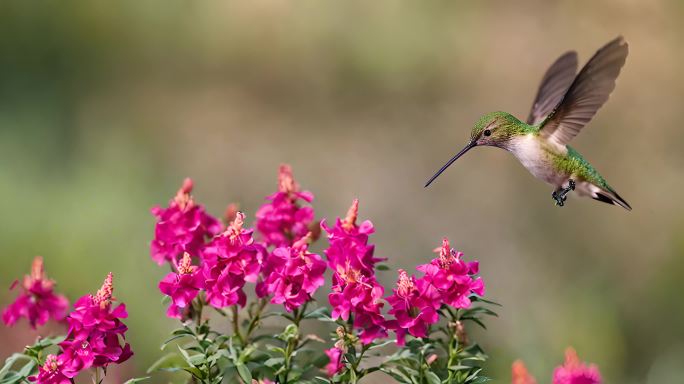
[465, 149]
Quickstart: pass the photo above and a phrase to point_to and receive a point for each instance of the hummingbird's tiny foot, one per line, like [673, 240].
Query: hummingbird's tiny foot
[559, 198]
[571, 184]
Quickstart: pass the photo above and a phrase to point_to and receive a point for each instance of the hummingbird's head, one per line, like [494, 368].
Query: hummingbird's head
[493, 129]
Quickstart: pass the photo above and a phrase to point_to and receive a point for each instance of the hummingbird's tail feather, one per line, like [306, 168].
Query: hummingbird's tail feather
[609, 196]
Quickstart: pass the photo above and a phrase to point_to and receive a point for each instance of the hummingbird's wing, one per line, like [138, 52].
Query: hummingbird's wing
[586, 95]
[554, 84]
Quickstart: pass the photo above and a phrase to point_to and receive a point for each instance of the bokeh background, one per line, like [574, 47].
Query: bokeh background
[105, 108]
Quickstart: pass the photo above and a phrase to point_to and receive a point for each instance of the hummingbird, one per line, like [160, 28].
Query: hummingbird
[566, 101]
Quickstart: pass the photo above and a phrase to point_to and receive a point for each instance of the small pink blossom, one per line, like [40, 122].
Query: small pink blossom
[51, 371]
[37, 301]
[282, 221]
[414, 305]
[182, 227]
[231, 259]
[573, 371]
[96, 333]
[182, 286]
[335, 365]
[452, 277]
[293, 274]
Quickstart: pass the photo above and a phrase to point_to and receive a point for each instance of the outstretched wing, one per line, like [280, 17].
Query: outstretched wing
[554, 84]
[588, 92]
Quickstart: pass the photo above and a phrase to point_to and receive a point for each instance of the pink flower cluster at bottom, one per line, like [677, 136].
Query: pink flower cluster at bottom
[447, 280]
[94, 338]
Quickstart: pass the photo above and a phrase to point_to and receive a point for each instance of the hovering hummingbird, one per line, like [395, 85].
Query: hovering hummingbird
[565, 103]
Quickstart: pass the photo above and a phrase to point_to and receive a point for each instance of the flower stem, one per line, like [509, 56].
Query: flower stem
[293, 342]
[236, 325]
[254, 322]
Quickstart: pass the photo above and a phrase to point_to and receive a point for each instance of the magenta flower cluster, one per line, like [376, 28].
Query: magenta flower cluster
[447, 280]
[96, 335]
[279, 263]
[181, 227]
[37, 302]
[284, 220]
[355, 289]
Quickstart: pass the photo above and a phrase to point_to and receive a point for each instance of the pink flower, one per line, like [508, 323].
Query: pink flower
[355, 288]
[576, 372]
[182, 227]
[414, 305]
[96, 333]
[231, 259]
[361, 296]
[293, 274]
[51, 371]
[520, 375]
[182, 286]
[37, 302]
[349, 248]
[335, 365]
[452, 277]
[283, 221]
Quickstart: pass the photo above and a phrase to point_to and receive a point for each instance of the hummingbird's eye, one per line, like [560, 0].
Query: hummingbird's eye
[487, 132]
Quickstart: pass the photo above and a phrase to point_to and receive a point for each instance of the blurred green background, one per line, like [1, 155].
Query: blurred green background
[106, 106]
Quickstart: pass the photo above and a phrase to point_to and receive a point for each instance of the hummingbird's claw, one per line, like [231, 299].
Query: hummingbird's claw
[560, 195]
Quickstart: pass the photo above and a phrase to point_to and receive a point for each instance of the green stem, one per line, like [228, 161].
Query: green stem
[236, 325]
[254, 322]
[293, 343]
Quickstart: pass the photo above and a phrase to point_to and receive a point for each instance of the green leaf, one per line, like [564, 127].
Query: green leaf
[9, 362]
[432, 378]
[244, 373]
[382, 267]
[186, 356]
[166, 300]
[166, 343]
[27, 369]
[169, 362]
[459, 367]
[136, 380]
[274, 361]
[12, 378]
[319, 313]
[482, 299]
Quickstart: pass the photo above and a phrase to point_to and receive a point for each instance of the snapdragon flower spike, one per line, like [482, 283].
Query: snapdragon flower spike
[453, 277]
[96, 334]
[231, 259]
[37, 302]
[182, 286]
[355, 288]
[51, 371]
[414, 305]
[349, 248]
[573, 371]
[283, 220]
[182, 227]
[293, 274]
